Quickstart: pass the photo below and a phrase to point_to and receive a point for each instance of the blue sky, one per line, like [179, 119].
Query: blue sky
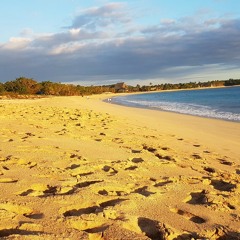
[102, 41]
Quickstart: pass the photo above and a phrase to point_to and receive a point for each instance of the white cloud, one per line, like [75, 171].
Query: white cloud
[17, 43]
[75, 31]
[66, 48]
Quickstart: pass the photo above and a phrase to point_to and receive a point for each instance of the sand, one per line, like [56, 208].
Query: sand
[78, 168]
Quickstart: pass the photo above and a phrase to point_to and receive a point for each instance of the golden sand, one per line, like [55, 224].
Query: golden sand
[78, 168]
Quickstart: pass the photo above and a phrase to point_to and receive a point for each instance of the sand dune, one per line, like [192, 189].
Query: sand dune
[78, 168]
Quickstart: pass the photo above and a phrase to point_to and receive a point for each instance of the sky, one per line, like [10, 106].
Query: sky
[100, 42]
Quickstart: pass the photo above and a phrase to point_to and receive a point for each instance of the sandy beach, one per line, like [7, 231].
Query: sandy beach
[79, 168]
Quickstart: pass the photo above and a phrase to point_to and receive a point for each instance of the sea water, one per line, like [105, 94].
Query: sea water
[220, 103]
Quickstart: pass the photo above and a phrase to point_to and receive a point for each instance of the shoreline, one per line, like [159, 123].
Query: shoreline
[210, 127]
[81, 168]
[162, 110]
[171, 111]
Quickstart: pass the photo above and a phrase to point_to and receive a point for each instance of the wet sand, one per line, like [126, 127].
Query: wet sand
[78, 168]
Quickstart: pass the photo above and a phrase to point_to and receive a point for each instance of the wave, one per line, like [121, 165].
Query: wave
[183, 108]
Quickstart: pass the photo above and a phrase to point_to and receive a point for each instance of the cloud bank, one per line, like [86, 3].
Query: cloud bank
[106, 44]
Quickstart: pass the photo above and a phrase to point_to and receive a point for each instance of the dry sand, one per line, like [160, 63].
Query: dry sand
[78, 168]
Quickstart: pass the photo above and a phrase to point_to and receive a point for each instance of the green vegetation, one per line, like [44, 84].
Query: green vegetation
[190, 85]
[22, 86]
[29, 86]
[232, 82]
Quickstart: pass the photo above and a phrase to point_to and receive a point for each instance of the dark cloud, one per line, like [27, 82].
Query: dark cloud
[87, 53]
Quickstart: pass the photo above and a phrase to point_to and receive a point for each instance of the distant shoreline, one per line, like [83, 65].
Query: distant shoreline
[171, 90]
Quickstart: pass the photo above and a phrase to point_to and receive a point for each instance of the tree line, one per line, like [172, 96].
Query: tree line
[29, 86]
[189, 85]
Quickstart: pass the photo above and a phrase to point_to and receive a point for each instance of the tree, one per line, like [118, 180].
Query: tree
[49, 88]
[232, 82]
[2, 88]
[22, 85]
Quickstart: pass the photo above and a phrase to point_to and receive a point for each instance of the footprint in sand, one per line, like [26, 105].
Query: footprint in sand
[94, 227]
[206, 151]
[103, 192]
[76, 211]
[72, 185]
[21, 232]
[86, 183]
[109, 170]
[112, 189]
[162, 183]
[83, 174]
[5, 168]
[112, 202]
[168, 158]
[209, 169]
[180, 139]
[199, 197]
[137, 160]
[165, 148]
[136, 150]
[149, 148]
[131, 168]
[98, 139]
[96, 220]
[112, 193]
[73, 166]
[189, 216]
[197, 145]
[143, 191]
[151, 228]
[81, 211]
[76, 156]
[196, 156]
[39, 190]
[223, 186]
[225, 162]
[34, 215]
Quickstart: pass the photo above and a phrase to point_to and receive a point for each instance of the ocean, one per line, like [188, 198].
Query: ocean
[219, 103]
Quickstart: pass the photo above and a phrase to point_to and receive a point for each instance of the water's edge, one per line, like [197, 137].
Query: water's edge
[194, 110]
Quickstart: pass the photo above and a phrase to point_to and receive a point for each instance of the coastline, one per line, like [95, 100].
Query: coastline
[77, 167]
[208, 130]
[192, 111]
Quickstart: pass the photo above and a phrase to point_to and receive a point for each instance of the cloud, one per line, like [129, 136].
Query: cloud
[100, 47]
[17, 43]
[107, 15]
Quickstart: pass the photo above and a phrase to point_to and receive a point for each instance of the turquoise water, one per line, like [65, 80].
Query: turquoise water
[220, 103]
